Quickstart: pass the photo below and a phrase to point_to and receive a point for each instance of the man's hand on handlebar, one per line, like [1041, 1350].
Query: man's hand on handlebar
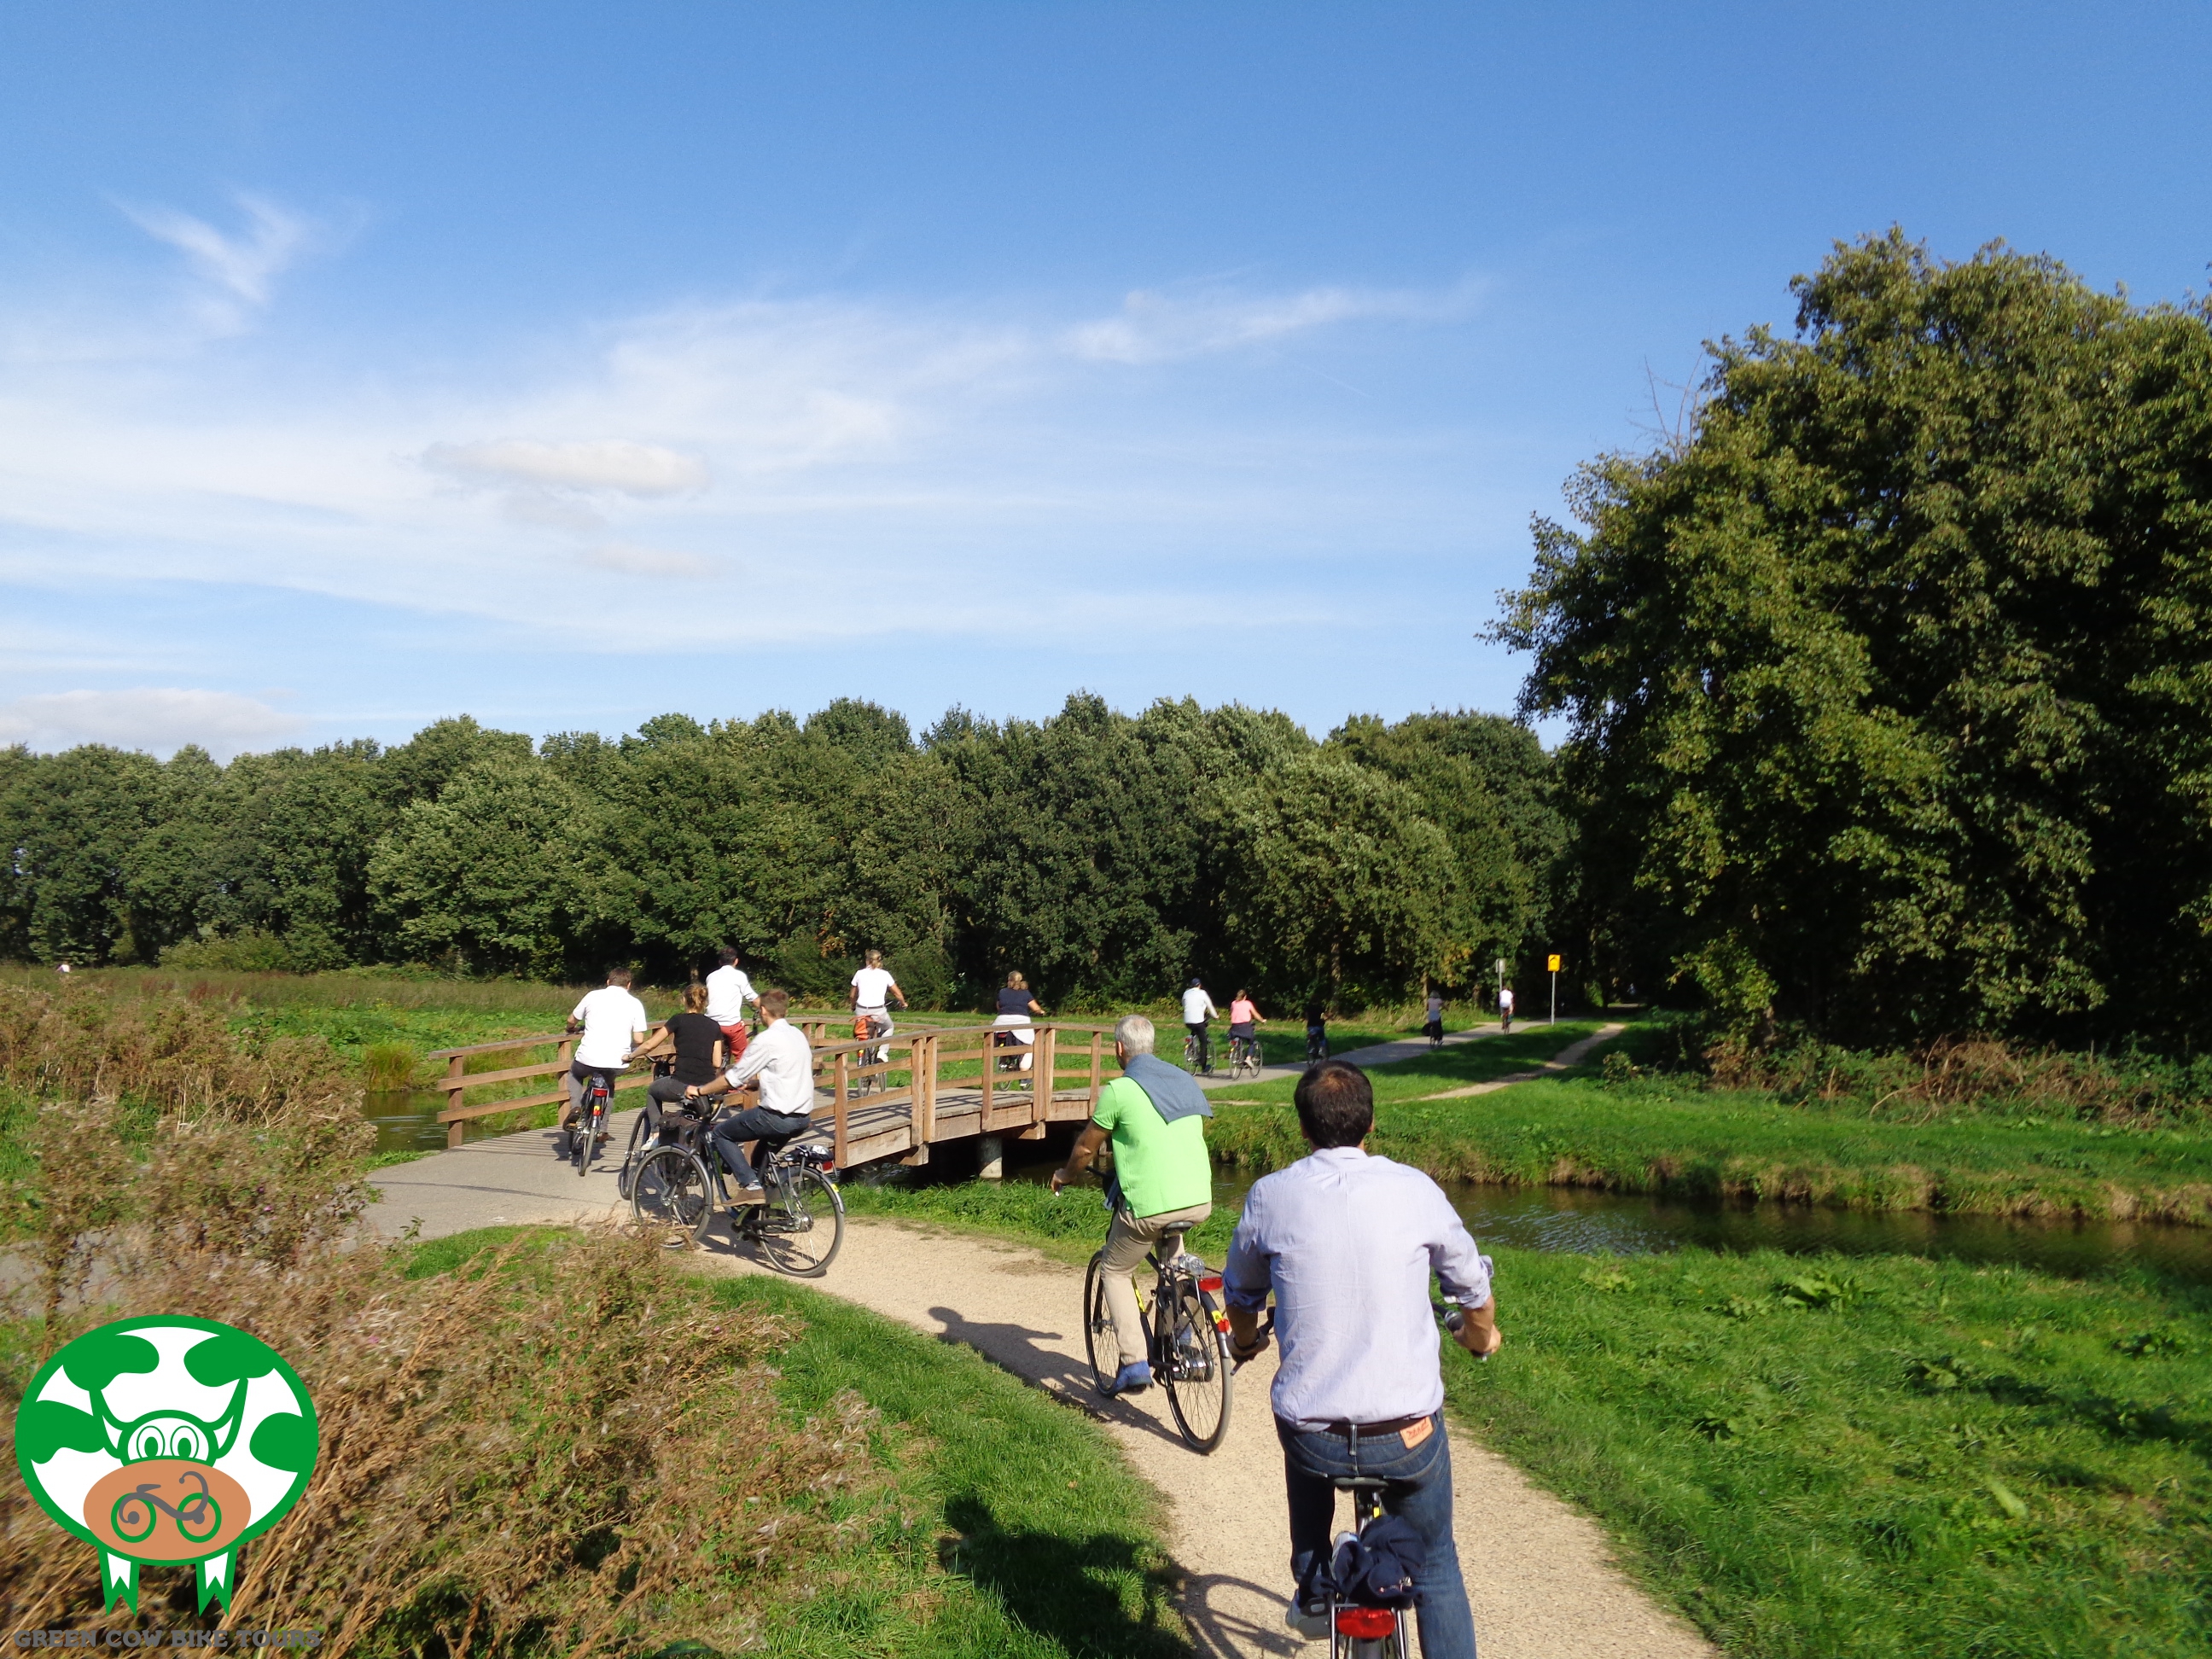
[1248, 1337]
[1475, 1329]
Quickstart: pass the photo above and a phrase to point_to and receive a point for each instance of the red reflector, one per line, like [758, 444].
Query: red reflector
[1212, 1284]
[1373, 1623]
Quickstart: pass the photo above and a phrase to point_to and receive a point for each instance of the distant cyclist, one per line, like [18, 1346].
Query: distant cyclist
[613, 1022]
[1505, 1007]
[728, 990]
[1317, 1032]
[873, 992]
[1016, 1006]
[1434, 1027]
[1244, 1022]
[1197, 1009]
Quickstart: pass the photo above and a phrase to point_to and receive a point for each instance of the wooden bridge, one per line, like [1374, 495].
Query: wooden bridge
[933, 1084]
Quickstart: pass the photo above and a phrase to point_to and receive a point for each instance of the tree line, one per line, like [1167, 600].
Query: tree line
[1889, 680]
[1106, 856]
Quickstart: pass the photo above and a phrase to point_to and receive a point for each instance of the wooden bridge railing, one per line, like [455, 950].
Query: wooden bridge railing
[934, 1084]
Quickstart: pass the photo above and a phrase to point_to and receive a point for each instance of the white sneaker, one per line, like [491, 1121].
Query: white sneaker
[1314, 1627]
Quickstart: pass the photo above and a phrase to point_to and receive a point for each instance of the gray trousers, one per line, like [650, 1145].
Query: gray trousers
[1128, 1241]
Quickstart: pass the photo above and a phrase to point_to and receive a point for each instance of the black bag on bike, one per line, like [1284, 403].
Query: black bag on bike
[1374, 1567]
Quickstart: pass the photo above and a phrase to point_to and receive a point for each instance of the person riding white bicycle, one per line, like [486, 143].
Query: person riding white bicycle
[613, 1021]
[1197, 1009]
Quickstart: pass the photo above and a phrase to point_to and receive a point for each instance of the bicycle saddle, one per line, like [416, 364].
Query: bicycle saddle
[1357, 1483]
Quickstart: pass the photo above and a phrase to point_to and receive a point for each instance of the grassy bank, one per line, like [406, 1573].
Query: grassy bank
[1675, 1135]
[996, 1522]
[1871, 1456]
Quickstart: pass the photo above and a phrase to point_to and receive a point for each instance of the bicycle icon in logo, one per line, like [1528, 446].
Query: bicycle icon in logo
[166, 1442]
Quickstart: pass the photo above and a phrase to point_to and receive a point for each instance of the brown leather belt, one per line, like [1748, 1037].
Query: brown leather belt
[1369, 1430]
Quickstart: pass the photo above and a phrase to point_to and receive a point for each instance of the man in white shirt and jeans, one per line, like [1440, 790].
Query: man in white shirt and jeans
[783, 1061]
[1346, 1242]
[613, 1022]
[1197, 1009]
[728, 990]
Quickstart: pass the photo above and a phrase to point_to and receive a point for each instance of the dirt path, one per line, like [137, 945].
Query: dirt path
[1539, 1573]
[1566, 1060]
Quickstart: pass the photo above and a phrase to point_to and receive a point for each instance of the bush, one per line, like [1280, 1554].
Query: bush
[250, 952]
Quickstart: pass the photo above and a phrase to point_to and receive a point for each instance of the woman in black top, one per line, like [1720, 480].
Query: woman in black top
[700, 1049]
[1016, 1005]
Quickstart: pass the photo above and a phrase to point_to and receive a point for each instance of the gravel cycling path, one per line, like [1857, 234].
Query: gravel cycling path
[1539, 1573]
[1566, 1060]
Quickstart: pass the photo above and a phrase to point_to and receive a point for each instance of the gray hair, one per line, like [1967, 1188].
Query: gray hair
[1135, 1033]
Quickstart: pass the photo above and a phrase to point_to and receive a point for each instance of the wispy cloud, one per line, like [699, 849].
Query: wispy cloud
[631, 560]
[157, 718]
[1154, 326]
[612, 464]
[241, 266]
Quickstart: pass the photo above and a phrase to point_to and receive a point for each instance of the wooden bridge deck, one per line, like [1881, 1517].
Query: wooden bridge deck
[932, 1086]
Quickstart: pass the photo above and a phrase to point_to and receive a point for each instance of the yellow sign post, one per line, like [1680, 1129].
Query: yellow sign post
[1552, 962]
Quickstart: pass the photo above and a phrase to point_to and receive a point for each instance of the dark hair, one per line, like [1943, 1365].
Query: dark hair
[729, 955]
[617, 975]
[1336, 1104]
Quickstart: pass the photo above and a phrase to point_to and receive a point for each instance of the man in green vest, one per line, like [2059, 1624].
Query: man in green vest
[1155, 1114]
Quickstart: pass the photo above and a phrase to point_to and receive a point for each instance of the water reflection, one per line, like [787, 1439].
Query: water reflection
[1620, 1223]
[406, 1120]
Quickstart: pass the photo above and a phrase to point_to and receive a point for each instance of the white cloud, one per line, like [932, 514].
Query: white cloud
[612, 464]
[159, 719]
[1156, 327]
[243, 266]
[631, 560]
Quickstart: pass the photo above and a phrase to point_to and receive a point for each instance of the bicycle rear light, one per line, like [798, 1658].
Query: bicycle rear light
[1371, 1624]
[1211, 1283]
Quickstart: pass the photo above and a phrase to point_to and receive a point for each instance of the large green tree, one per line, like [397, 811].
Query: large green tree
[1889, 687]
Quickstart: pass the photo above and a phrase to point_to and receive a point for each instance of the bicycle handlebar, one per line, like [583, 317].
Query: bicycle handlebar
[1454, 1318]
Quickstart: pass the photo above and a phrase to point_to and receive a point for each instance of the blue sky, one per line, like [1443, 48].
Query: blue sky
[566, 364]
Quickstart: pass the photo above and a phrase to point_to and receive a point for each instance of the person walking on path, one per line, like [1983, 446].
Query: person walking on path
[1504, 1007]
[783, 1061]
[1346, 1243]
[1163, 1182]
[728, 990]
[1197, 1009]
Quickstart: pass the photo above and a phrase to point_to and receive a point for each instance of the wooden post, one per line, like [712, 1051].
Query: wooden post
[456, 1132]
[1097, 1063]
[923, 1112]
[990, 1068]
[841, 1105]
[1047, 1057]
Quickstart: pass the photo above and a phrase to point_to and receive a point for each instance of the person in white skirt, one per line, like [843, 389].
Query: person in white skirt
[1016, 1006]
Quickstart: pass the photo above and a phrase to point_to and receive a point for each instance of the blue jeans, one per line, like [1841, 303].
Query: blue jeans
[1419, 1489]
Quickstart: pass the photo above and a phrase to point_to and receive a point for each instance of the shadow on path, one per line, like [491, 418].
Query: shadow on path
[1021, 1350]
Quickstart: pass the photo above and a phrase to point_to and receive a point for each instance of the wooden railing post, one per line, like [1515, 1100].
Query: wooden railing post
[840, 1107]
[1097, 1063]
[456, 1132]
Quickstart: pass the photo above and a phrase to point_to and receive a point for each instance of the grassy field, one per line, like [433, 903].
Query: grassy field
[1870, 1457]
[1673, 1135]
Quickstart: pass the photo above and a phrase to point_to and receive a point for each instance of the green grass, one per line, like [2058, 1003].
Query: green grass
[1671, 1134]
[1013, 1529]
[1865, 1456]
[1872, 1456]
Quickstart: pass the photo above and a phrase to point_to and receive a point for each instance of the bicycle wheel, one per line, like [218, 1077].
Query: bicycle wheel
[1098, 1341]
[801, 1227]
[586, 1139]
[633, 1155]
[671, 1190]
[1193, 1365]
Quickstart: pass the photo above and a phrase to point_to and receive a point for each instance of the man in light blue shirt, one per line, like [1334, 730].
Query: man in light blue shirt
[1347, 1242]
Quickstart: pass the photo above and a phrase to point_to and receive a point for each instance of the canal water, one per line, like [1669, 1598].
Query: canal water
[1629, 1223]
[1626, 1223]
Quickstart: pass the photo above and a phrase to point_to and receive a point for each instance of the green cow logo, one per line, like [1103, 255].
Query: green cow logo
[163, 1442]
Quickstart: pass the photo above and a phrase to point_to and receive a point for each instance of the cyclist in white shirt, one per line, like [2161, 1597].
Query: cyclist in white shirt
[872, 990]
[1197, 1009]
[728, 990]
[613, 1022]
[782, 1062]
